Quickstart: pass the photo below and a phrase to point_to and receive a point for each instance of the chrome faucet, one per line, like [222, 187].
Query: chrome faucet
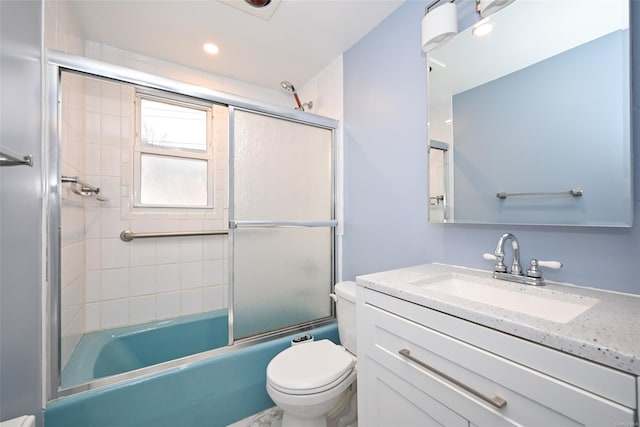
[500, 271]
[516, 268]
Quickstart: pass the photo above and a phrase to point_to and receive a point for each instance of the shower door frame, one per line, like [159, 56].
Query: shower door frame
[59, 62]
[235, 224]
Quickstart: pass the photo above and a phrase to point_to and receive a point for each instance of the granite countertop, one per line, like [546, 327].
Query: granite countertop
[607, 333]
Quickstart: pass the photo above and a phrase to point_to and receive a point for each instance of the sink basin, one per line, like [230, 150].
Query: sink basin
[542, 303]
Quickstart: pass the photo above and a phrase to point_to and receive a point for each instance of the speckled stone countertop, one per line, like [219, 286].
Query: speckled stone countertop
[607, 333]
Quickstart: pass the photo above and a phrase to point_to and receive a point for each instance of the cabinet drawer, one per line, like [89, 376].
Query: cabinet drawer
[611, 384]
[532, 398]
[392, 401]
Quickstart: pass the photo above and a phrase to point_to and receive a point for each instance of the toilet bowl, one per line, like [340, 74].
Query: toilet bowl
[314, 382]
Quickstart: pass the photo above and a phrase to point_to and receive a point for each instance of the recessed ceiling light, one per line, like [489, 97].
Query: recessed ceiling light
[210, 48]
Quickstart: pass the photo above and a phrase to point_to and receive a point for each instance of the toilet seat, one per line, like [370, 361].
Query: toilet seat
[310, 368]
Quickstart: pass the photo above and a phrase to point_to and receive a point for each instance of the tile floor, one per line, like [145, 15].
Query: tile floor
[271, 417]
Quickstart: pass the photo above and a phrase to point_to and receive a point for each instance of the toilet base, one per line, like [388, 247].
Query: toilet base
[345, 414]
[290, 420]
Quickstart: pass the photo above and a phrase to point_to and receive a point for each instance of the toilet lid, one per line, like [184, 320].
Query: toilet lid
[310, 367]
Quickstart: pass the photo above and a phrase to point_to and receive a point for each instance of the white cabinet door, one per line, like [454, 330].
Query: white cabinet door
[455, 374]
[393, 402]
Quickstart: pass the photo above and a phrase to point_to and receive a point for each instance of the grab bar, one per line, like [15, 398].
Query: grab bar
[128, 235]
[82, 188]
[9, 158]
[575, 192]
[496, 401]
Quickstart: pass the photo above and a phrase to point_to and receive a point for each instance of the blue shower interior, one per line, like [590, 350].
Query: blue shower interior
[194, 374]
[114, 351]
[213, 392]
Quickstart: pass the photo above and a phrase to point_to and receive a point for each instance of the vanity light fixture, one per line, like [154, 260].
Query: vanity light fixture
[482, 28]
[439, 24]
[487, 7]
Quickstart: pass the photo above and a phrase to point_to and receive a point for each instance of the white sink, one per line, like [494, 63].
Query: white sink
[538, 302]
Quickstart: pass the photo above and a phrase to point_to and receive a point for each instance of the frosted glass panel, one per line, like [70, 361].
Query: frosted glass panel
[282, 169]
[173, 181]
[282, 277]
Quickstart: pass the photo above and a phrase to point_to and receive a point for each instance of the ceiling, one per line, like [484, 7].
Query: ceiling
[295, 43]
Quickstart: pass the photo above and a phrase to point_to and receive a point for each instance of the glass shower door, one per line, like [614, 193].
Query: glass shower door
[282, 223]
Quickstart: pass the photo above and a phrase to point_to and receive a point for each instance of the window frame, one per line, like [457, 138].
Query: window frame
[140, 149]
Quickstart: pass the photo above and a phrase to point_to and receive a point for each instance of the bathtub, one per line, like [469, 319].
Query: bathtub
[109, 352]
[213, 392]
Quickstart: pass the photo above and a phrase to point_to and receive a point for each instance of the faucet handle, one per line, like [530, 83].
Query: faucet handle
[499, 267]
[534, 272]
[556, 265]
[489, 257]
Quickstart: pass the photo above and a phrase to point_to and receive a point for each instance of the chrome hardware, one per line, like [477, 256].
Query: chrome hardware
[496, 401]
[82, 188]
[575, 192]
[533, 271]
[523, 280]
[9, 158]
[533, 276]
[259, 224]
[128, 235]
[499, 253]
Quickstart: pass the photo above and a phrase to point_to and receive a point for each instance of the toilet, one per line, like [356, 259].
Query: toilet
[314, 382]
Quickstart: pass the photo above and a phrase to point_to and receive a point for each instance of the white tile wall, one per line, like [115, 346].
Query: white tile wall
[108, 282]
[146, 279]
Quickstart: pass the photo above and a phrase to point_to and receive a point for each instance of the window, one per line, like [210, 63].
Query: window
[173, 154]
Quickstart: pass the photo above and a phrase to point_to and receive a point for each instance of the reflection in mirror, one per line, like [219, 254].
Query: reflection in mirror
[438, 180]
[535, 109]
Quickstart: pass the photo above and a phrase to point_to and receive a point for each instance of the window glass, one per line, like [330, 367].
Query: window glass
[173, 181]
[173, 153]
[172, 126]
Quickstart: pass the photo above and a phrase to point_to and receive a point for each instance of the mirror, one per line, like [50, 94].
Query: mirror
[530, 124]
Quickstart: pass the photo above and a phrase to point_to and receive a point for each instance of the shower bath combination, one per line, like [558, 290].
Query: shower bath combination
[288, 86]
[233, 296]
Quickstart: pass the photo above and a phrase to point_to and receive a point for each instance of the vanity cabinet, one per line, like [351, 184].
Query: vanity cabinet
[420, 367]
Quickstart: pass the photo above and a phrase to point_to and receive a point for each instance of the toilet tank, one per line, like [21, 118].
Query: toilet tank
[346, 314]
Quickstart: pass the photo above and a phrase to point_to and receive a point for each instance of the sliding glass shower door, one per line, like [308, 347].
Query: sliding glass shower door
[282, 222]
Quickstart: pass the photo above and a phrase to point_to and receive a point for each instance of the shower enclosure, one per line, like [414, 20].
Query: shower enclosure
[241, 251]
[282, 221]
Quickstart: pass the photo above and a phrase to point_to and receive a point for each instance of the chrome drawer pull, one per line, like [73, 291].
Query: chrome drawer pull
[496, 401]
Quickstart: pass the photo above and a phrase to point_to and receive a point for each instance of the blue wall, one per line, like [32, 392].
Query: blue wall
[386, 226]
[486, 161]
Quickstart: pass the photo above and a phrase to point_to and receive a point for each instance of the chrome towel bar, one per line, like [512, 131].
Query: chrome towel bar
[82, 188]
[9, 158]
[575, 192]
[128, 235]
[261, 224]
